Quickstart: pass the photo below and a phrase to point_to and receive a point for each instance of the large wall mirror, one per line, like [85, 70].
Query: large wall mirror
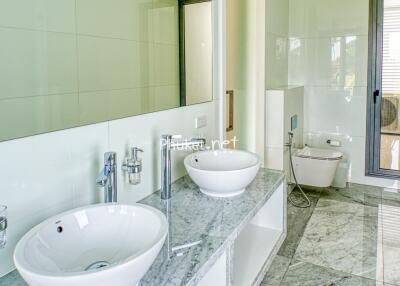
[69, 63]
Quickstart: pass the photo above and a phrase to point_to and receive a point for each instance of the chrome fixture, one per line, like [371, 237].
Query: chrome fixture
[108, 177]
[133, 166]
[3, 226]
[296, 184]
[167, 144]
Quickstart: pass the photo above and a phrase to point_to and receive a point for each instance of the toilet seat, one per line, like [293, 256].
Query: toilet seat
[319, 154]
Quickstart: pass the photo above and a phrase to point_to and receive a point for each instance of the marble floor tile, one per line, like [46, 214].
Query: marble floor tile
[343, 236]
[13, 278]
[354, 193]
[391, 197]
[306, 274]
[297, 219]
[312, 191]
[390, 217]
[276, 272]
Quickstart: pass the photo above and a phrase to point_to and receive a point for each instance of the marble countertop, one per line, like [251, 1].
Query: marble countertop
[214, 223]
[209, 224]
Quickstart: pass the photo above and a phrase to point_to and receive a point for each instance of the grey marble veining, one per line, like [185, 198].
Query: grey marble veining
[195, 217]
[390, 218]
[297, 219]
[306, 274]
[12, 279]
[355, 193]
[351, 231]
[214, 221]
[343, 236]
[277, 271]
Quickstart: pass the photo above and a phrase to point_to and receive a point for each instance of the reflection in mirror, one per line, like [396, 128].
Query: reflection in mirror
[65, 65]
[196, 64]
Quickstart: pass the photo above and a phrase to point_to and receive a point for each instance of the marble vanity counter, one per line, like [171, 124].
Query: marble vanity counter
[214, 223]
[209, 224]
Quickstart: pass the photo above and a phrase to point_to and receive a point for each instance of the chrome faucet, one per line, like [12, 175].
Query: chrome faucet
[108, 177]
[167, 144]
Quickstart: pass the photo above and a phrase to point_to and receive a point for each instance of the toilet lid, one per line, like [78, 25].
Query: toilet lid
[320, 154]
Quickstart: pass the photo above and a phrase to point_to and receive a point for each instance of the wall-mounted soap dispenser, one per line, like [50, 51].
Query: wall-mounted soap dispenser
[3, 226]
[133, 166]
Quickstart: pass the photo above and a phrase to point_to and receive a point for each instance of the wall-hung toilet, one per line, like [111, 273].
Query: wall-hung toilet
[315, 167]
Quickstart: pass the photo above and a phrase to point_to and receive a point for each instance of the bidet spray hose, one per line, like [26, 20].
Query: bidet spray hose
[308, 202]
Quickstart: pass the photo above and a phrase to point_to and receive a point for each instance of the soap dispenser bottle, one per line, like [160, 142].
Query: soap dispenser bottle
[133, 166]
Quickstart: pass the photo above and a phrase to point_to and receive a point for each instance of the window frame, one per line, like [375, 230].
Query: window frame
[373, 140]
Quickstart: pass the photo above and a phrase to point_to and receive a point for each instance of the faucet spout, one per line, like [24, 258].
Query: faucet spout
[167, 144]
[108, 177]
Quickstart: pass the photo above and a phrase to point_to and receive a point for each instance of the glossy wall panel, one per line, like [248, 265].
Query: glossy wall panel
[51, 173]
[35, 63]
[277, 43]
[328, 55]
[329, 61]
[325, 18]
[68, 63]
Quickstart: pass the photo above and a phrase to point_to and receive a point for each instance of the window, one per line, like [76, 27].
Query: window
[383, 138]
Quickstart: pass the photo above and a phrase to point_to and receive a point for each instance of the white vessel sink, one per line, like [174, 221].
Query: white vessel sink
[222, 173]
[106, 244]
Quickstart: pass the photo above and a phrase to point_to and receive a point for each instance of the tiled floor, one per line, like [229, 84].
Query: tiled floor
[347, 237]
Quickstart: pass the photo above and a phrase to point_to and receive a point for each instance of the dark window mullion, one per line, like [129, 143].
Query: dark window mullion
[375, 60]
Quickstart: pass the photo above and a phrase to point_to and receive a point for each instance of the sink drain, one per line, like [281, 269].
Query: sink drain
[97, 265]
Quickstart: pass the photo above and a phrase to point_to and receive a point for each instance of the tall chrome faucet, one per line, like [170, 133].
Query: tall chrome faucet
[108, 177]
[167, 144]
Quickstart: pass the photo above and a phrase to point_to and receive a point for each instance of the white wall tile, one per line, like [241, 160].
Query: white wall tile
[44, 62]
[336, 61]
[316, 18]
[114, 104]
[336, 110]
[47, 15]
[122, 19]
[277, 31]
[297, 61]
[275, 118]
[278, 17]
[32, 115]
[165, 64]
[277, 61]
[165, 22]
[164, 97]
[328, 54]
[274, 158]
[42, 175]
[145, 132]
[106, 64]
[50, 173]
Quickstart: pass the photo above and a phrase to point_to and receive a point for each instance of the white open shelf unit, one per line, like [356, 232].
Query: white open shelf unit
[257, 241]
[254, 248]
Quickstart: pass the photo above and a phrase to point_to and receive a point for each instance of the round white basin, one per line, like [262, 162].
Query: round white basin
[222, 173]
[106, 244]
